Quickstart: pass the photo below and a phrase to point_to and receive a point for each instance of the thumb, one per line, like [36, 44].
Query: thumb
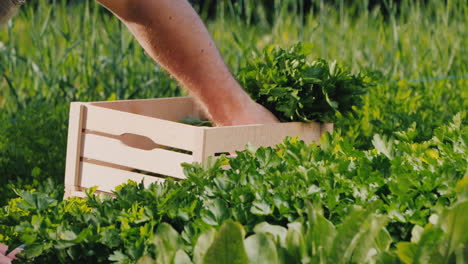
[13, 253]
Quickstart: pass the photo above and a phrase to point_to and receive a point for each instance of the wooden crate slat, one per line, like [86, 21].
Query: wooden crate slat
[326, 127]
[159, 161]
[107, 178]
[173, 109]
[229, 139]
[78, 191]
[73, 193]
[74, 144]
[162, 132]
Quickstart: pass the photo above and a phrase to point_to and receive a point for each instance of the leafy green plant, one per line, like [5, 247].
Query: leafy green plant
[399, 182]
[32, 148]
[444, 239]
[196, 121]
[294, 89]
[361, 238]
[313, 240]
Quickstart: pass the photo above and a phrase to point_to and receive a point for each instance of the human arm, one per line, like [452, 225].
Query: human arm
[8, 8]
[172, 34]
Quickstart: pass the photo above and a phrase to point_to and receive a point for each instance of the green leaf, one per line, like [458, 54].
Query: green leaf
[181, 258]
[348, 235]
[167, 242]
[332, 103]
[295, 242]
[216, 211]
[454, 222]
[406, 252]
[321, 232]
[462, 188]
[261, 208]
[146, 260]
[278, 232]
[383, 145]
[416, 233]
[228, 246]
[367, 250]
[91, 191]
[119, 257]
[36, 249]
[430, 246]
[383, 240]
[261, 249]
[203, 244]
[37, 201]
[387, 258]
[110, 237]
[67, 235]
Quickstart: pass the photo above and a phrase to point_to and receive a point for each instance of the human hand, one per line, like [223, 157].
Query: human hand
[253, 113]
[7, 259]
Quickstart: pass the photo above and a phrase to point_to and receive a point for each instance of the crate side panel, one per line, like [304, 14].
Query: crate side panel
[173, 109]
[110, 150]
[107, 178]
[75, 125]
[326, 127]
[70, 191]
[162, 132]
[235, 138]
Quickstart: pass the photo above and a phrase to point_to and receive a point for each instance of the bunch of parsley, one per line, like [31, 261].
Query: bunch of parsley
[294, 89]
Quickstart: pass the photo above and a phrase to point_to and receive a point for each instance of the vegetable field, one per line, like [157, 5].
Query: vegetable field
[390, 185]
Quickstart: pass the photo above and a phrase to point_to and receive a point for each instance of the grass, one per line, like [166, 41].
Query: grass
[54, 53]
[59, 57]
[89, 55]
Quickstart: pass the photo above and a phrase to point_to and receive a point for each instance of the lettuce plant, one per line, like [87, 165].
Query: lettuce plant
[295, 89]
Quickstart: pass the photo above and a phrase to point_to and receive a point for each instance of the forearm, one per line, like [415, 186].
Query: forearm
[8, 8]
[173, 34]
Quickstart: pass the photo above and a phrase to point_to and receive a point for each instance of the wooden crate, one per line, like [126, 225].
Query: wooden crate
[112, 142]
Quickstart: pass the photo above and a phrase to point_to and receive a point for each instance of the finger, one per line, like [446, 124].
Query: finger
[4, 260]
[13, 253]
[3, 249]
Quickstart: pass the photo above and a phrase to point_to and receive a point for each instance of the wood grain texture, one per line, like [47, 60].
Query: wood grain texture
[162, 132]
[159, 161]
[326, 127]
[107, 178]
[200, 152]
[235, 138]
[74, 191]
[69, 191]
[80, 194]
[74, 144]
[172, 109]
